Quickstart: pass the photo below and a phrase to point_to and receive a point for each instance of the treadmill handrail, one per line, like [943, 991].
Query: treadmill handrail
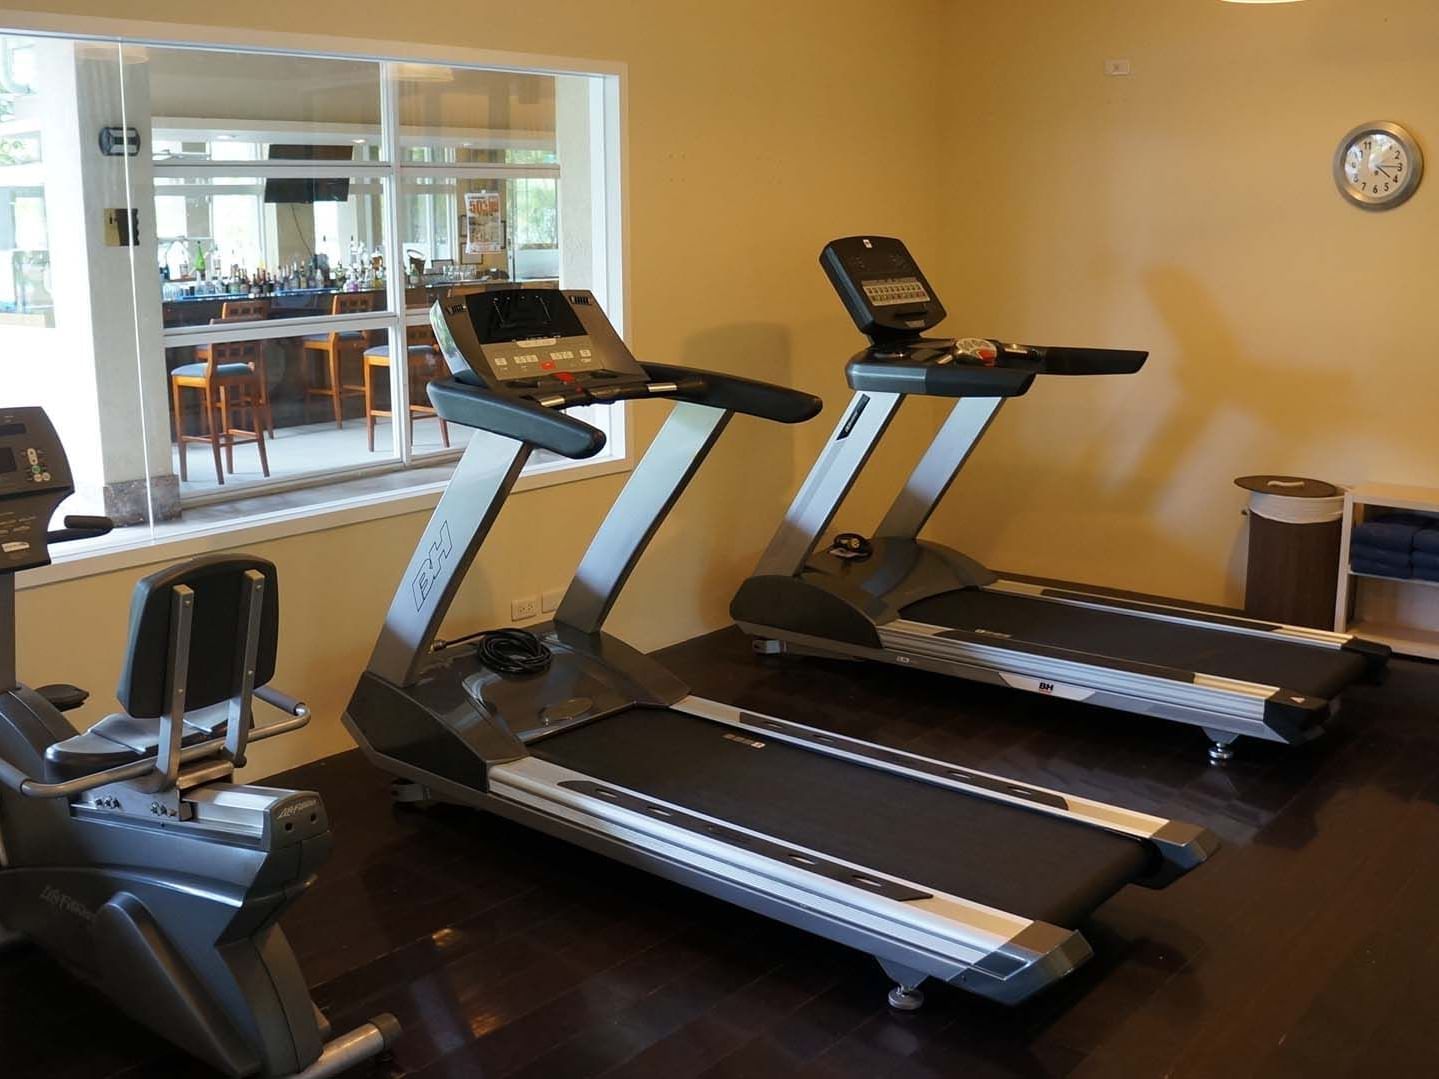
[734, 393]
[512, 416]
[541, 420]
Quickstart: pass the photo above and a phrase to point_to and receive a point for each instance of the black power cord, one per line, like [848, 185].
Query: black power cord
[506, 651]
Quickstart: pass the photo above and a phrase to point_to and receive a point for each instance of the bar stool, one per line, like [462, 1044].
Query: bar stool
[329, 350]
[425, 361]
[231, 366]
[247, 310]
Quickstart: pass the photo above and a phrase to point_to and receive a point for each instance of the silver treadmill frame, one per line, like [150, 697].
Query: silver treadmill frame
[996, 953]
[1225, 708]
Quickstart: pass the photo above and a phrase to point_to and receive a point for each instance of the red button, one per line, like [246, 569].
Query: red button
[548, 365]
[564, 376]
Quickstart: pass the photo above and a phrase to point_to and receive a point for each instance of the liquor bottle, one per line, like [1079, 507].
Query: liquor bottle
[199, 260]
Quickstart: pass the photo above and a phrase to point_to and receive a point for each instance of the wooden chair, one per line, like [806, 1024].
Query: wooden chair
[330, 349]
[425, 362]
[231, 368]
[247, 310]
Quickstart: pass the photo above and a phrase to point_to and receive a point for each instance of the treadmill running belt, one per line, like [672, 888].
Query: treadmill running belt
[1314, 672]
[1015, 859]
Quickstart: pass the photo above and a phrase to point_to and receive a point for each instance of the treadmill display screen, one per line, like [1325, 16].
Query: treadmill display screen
[7, 459]
[522, 315]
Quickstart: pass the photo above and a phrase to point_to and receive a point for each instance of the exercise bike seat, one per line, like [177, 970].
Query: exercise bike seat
[217, 637]
[116, 740]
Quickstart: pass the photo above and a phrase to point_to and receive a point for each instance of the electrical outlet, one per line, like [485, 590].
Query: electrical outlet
[1117, 68]
[550, 601]
[525, 608]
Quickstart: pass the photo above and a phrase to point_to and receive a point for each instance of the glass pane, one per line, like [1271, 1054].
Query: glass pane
[285, 387]
[67, 321]
[25, 277]
[450, 115]
[209, 105]
[461, 229]
[425, 364]
[299, 244]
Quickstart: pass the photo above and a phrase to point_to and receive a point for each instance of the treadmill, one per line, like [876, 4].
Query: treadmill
[897, 598]
[937, 870]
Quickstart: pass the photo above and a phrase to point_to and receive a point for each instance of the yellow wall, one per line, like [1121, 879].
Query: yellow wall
[1188, 209]
[752, 135]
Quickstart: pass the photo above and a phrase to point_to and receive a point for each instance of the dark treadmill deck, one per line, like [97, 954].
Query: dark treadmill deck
[1312, 671]
[1003, 856]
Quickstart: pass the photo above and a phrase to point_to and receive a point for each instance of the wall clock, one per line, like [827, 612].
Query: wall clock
[1378, 166]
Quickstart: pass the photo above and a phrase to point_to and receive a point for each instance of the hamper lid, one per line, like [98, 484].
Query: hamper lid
[1289, 486]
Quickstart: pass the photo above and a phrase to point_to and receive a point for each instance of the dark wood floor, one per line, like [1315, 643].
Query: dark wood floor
[1308, 947]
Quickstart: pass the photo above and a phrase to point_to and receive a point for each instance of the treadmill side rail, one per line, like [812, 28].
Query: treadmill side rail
[996, 954]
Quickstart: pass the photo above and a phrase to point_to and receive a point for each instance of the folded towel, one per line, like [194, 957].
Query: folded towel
[1427, 539]
[1368, 553]
[1379, 569]
[1391, 536]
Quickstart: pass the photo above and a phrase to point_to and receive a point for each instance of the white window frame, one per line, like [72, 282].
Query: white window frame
[613, 290]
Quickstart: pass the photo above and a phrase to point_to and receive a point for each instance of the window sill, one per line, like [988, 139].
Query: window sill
[351, 505]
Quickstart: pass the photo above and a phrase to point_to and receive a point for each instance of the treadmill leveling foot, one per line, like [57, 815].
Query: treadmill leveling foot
[1220, 752]
[906, 995]
[904, 999]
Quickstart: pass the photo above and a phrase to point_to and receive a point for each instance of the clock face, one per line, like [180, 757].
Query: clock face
[1378, 166]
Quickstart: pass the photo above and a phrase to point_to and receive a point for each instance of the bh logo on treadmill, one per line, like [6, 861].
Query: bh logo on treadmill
[429, 572]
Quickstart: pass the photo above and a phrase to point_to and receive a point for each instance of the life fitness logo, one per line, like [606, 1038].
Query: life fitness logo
[60, 901]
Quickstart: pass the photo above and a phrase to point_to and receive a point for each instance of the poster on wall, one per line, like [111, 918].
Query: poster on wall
[484, 225]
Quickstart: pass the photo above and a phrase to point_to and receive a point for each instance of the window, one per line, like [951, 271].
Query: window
[25, 297]
[297, 215]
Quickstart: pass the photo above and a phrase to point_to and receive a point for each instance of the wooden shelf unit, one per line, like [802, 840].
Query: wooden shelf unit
[1405, 639]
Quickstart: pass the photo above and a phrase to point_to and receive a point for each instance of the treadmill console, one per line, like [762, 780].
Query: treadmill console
[530, 341]
[34, 480]
[892, 303]
[882, 287]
